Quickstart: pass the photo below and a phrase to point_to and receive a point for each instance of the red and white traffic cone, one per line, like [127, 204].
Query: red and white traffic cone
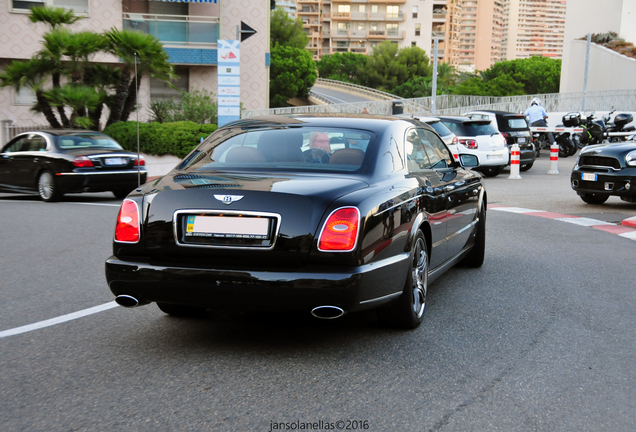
[554, 159]
[515, 155]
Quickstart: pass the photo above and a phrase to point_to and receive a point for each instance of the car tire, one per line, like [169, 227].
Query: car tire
[408, 311]
[492, 171]
[592, 198]
[47, 187]
[181, 310]
[526, 167]
[121, 193]
[475, 257]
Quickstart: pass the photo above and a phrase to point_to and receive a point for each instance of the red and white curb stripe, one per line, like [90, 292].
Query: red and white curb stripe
[626, 229]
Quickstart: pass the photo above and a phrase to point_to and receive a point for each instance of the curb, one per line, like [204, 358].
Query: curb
[630, 222]
[626, 228]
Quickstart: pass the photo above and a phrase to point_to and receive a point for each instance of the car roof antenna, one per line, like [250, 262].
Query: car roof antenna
[137, 109]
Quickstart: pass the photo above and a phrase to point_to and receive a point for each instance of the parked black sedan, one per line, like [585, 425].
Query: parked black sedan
[327, 214]
[53, 163]
[606, 170]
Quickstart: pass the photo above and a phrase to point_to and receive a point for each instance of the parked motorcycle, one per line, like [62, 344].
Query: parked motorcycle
[594, 130]
[566, 145]
[619, 126]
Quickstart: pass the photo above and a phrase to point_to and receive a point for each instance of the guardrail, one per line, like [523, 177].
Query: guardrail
[623, 100]
[358, 89]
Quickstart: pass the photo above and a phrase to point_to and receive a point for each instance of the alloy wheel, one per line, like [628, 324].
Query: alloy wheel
[419, 277]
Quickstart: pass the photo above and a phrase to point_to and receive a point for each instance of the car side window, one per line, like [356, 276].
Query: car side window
[35, 143]
[16, 146]
[438, 154]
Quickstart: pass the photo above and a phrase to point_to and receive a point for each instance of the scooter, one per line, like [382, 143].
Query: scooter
[619, 126]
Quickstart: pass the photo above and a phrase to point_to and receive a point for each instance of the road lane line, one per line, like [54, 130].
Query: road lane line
[58, 320]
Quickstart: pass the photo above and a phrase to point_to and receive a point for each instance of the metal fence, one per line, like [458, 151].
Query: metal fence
[9, 130]
[623, 100]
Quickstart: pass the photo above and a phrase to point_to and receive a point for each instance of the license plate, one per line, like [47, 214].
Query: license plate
[521, 140]
[588, 176]
[115, 161]
[227, 227]
[494, 157]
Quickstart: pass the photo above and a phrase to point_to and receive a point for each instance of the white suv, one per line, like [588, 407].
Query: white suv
[480, 138]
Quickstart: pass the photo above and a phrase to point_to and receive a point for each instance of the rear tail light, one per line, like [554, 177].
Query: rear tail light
[127, 229]
[455, 141]
[142, 161]
[340, 232]
[82, 162]
[469, 143]
[505, 135]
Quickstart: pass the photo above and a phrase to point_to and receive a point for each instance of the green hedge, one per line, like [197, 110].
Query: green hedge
[159, 139]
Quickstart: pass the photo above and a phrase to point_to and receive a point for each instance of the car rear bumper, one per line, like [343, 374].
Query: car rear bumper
[621, 184]
[70, 182]
[351, 289]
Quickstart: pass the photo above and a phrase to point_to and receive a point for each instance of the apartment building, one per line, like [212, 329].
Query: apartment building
[533, 28]
[495, 30]
[359, 25]
[188, 29]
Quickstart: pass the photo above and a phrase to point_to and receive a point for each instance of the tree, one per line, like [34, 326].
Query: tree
[78, 86]
[136, 50]
[345, 66]
[388, 67]
[286, 31]
[292, 72]
[415, 88]
[537, 74]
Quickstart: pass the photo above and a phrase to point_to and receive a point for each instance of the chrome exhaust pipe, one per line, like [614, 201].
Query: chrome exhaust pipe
[327, 312]
[128, 301]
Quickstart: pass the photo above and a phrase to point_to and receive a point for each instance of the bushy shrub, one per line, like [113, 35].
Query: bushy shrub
[198, 106]
[158, 139]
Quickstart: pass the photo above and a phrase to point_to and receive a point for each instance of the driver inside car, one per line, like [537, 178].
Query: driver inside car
[319, 148]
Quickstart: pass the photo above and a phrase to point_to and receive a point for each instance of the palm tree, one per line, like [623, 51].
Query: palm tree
[32, 75]
[54, 17]
[140, 50]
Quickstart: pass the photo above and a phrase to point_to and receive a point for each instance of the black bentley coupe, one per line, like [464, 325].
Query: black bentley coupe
[55, 162]
[606, 170]
[326, 214]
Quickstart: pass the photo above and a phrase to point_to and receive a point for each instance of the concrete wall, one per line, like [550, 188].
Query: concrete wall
[608, 70]
[593, 16]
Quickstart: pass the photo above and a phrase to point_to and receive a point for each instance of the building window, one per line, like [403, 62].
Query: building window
[25, 96]
[361, 26]
[392, 11]
[392, 29]
[374, 26]
[413, 44]
[414, 11]
[374, 8]
[362, 8]
[343, 28]
[77, 6]
[418, 29]
[161, 90]
[344, 8]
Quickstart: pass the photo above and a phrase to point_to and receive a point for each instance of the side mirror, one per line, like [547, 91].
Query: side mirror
[468, 160]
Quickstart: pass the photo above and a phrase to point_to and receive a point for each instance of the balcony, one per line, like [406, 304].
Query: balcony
[395, 17]
[184, 30]
[393, 35]
[341, 16]
[308, 11]
[388, 1]
[308, 1]
[376, 34]
[340, 33]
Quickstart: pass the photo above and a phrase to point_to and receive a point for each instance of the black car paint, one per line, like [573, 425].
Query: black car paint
[294, 275]
[607, 161]
[19, 171]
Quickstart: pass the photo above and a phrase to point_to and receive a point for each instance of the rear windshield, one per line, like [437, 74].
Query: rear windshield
[294, 149]
[87, 141]
[440, 128]
[508, 123]
[471, 128]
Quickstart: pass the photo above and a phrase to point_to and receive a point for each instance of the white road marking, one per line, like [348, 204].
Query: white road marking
[629, 235]
[584, 221]
[516, 210]
[58, 320]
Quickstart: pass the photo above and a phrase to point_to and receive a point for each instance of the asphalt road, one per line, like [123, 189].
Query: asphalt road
[539, 339]
[337, 95]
